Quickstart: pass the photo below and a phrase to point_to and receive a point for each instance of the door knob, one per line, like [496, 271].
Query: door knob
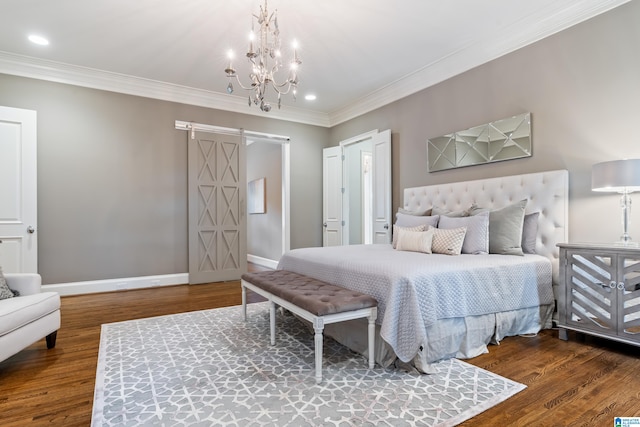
[31, 230]
[386, 226]
[324, 225]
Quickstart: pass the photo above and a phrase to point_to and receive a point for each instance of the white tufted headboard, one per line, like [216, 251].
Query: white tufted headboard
[547, 193]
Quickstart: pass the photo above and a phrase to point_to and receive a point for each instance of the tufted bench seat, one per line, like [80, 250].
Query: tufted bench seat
[314, 300]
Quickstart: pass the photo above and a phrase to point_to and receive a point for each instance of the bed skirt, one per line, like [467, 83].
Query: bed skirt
[462, 338]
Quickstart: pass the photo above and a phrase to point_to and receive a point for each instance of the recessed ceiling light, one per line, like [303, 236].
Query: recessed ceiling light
[310, 97]
[39, 40]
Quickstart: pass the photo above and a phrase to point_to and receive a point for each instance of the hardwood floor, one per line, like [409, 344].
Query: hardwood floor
[582, 382]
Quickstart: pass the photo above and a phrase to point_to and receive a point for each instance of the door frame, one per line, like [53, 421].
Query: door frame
[363, 137]
[284, 142]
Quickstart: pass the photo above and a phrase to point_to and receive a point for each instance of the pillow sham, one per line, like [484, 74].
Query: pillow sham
[476, 239]
[530, 232]
[396, 232]
[415, 241]
[505, 229]
[415, 213]
[404, 220]
[5, 291]
[447, 241]
[454, 214]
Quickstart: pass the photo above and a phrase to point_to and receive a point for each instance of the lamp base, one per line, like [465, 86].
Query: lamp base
[627, 244]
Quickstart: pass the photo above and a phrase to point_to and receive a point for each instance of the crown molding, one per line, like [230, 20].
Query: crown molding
[25, 66]
[522, 33]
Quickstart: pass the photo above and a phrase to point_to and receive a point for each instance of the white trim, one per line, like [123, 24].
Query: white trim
[522, 33]
[264, 262]
[359, 138]
[109, 285]
[199, 127]
[42, 69]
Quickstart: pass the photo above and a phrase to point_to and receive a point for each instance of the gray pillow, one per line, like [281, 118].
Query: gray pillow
[476, 240]
[454, 214]
[404, 220]
[505, 229]
[5, 292]
[415, 213]
[530, 232]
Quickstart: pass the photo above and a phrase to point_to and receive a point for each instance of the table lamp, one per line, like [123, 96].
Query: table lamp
[619, 176]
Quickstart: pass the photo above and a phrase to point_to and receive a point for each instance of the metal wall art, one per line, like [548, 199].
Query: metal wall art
[504, 139]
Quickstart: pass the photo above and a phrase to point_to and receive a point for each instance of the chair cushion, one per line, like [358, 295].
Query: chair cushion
[19, 311]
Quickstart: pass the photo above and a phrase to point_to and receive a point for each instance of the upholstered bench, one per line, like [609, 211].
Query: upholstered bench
[319, 302]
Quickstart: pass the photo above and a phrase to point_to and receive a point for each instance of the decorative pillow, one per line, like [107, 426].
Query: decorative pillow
[447, 241]
[530, 232]
[404, 220]
[414, 213]
[476, 239]
[5, 292]
[415, 241]
[505, 229]
[396, 231]
[454, 214]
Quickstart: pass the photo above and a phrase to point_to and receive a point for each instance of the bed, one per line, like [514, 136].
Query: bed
[437, 306]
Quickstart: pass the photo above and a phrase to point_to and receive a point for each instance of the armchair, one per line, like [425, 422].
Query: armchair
[29, 317]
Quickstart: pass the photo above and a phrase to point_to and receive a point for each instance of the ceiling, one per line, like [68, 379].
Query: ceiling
[357, 55]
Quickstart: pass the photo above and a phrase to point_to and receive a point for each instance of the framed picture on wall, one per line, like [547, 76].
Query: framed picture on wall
[257, 203]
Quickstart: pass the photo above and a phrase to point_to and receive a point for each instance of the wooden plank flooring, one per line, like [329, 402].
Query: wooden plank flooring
[583, 382]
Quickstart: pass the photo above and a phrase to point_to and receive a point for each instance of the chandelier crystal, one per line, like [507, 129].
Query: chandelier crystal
[265, 61]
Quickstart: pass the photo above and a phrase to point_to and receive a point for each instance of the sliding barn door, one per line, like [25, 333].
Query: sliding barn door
[217, 204]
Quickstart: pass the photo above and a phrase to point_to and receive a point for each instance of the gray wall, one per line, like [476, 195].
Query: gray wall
[264, 231]
[112, 179]
[582, 87]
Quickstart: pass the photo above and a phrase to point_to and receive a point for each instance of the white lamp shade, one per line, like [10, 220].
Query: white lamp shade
[621, 176]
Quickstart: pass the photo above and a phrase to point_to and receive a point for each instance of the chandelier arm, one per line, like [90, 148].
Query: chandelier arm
[241, 85]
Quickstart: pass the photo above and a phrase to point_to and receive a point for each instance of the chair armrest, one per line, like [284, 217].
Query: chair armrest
[25, 283]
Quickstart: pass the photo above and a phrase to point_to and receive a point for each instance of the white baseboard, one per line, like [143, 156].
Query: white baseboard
[269, 263]
[109, 285]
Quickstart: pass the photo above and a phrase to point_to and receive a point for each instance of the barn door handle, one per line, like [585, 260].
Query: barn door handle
[31, 230]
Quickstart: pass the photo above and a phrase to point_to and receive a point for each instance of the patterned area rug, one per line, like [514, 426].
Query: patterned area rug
[209, 368]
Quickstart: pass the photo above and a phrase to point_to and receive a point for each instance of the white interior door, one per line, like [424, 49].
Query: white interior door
[18, 191]
[382, 212]
[332, 196]
[217, 207]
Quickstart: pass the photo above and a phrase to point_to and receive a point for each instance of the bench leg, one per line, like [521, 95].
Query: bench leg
[272, 321]
[244, 303]
[372, 339]
[318, 327]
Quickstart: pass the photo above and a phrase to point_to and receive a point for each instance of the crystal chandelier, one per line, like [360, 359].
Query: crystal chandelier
[265, 60]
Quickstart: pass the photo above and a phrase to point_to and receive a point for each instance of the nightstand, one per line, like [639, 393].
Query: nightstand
[600, 291]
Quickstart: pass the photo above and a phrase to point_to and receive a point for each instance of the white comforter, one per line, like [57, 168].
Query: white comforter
[415, 289]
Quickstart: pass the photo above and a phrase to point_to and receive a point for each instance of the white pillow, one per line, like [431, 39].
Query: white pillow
[448, 241]
[476, 239]
[415, 241]
[396, 230]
